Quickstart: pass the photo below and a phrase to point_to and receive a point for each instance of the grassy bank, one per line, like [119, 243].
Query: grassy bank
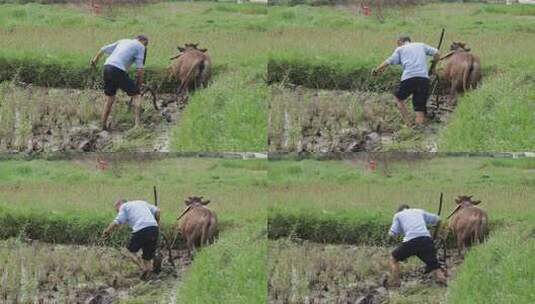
[232, 271]
[501, 271]
[497, 117]
[230, 115]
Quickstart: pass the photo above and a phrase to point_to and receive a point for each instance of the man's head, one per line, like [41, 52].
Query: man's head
[143, 39]
[119, 203]
[403, 39]
[403, 207]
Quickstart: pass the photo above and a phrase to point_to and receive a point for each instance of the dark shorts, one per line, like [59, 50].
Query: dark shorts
[146, 239]
[115, 78]
[418, 87]
[423, 248]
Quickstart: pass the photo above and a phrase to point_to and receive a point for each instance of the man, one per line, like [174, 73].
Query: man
[416, 242]
[144, 220]
[121, 55]
[415, 78]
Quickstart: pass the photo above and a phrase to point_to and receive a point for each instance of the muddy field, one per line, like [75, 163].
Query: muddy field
[36, 272]
[37, 119]
[308, 120]
[306, 272]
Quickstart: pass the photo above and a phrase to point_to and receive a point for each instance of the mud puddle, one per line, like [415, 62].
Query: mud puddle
[318, 273]
[307, 120]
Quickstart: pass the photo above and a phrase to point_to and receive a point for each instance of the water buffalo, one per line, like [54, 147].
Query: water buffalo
[192, 67]
[463, 69]
[199, 226]
[468, 223]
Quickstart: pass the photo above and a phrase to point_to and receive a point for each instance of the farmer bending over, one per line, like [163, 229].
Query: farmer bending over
[416, 242]
[144, 219]
[415, 78]
[121, 55]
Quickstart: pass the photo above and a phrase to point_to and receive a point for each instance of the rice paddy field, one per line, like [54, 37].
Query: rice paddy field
[56, 210]
[326, 49]
[50, 47]
[328, 222]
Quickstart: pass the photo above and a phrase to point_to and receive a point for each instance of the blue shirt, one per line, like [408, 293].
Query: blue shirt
[137, 214]
[412, 223]
[125, 52]
[413, 59]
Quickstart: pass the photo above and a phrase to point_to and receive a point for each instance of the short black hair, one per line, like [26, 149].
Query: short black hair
[404, 38]
[142, 37]
[403, 207]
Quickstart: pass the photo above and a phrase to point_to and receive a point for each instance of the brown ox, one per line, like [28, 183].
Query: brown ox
[463, 69]
[199, 226]
[192, 68]
[468, 223]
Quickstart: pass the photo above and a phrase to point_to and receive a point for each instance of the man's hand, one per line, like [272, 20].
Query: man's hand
[105, 234]
[139, 77]
[375, 72]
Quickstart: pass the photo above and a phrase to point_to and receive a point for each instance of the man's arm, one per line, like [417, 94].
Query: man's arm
[378, 70]
[393, 59]
[431, 51]
[140, 59]
[155, 212]
[107, 49]
[430, 218]
[395, 229]
[119, 220]
[112, 226]
[96, 58]
[157, 217]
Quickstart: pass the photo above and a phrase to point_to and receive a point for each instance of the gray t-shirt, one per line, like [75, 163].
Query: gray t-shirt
[125, 52]
[412, 223]
[137, 214]
[413, 59]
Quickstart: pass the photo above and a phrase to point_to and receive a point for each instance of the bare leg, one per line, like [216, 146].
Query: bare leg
[136, 100]
[107, 109]
[440, 276]
[147, 265]
[404, 113]
[396, 273]
[420, 118]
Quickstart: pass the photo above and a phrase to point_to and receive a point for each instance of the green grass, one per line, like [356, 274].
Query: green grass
[230, 115]
[501, 271]
[74, 199]
[52, 45]
[331, 48]
[497, 117]
[233, 271]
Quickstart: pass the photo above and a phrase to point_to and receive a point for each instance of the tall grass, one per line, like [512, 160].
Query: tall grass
[230, 115]
[499, 116]
[231, 271]
[500, 271]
